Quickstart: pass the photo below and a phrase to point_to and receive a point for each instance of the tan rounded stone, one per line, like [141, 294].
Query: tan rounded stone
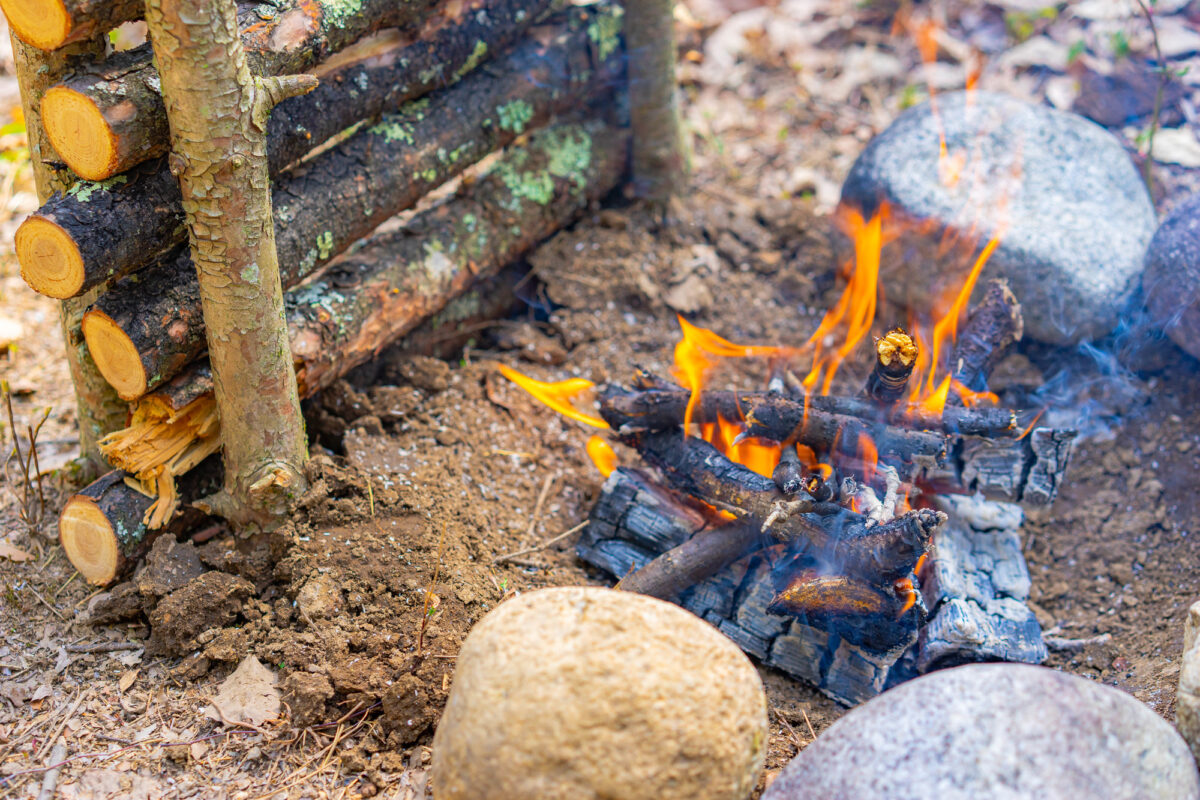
[589, 693]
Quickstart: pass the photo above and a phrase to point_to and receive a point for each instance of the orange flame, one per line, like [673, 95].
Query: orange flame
[970, 398]
[602, 455]
[759, 455]
[869, 455]
[946, 329]
[557, 395]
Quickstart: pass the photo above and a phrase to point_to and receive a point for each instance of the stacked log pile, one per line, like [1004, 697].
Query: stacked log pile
[410, 96]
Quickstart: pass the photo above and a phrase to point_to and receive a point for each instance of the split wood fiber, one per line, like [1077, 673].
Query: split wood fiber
[98, 410]
[110, 116]
[400, 280]
[149, 326]
[218, 114]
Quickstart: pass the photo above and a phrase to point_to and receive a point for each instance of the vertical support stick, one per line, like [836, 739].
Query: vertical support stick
[98, 409]
[218, 116]
[659, 160]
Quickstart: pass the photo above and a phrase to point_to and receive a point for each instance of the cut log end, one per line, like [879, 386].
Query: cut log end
[80, 133]
[89, 540]
[42, 23]
[50, 259]
[115, 354]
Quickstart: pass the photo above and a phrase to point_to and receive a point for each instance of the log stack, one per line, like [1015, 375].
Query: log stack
[410, 97]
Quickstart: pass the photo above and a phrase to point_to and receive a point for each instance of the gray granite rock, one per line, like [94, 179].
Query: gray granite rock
[1078, 216]
[995, 731]
[1171, 282]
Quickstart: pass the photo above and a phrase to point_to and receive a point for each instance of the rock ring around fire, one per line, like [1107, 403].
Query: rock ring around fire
[1173, 274]
[1073, 215]
[991, 731]
[589, 692]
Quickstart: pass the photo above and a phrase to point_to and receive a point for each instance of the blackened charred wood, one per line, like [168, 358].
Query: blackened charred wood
[789, 472]
[122, 93]
[979, 421]
[107, 229]
[769, 416]
[700, 557]
[343, 194]
[1027, 470]
[995, 324]
[895, 356]
[841, 539]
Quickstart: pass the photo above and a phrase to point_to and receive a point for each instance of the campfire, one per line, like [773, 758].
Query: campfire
[805, 523]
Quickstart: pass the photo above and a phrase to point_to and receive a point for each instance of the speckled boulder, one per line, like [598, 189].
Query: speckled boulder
[1171, 282]
[995, 731]
[591, 694]
[1076, 217]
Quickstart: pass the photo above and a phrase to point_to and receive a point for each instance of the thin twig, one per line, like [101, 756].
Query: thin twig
[537, 507]
[1163, 78]
[57, 613]
[104, 647]
[542, 546]
[63, 722]
[437, 567]
[50, 779]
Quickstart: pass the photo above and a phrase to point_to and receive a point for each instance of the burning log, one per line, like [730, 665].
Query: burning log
[110, 116]
[149, 325]
[107, 526]
[768, 416]
[50, 24]
[835, 536]
[895, 356]
[994, 326]
[99, 231]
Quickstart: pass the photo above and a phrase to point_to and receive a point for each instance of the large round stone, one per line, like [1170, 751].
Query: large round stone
[995, 731]
[1171, 282]
[589, 693]
[1073, 214]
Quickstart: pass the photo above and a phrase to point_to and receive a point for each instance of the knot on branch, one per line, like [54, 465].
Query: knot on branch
[271, 91]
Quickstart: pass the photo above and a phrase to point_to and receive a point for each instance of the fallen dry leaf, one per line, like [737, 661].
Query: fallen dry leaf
[12, 552]
[127, 680]
[248, 696]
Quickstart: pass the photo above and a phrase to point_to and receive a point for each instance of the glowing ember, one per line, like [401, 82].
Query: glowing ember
[557, 395]
[602, 455]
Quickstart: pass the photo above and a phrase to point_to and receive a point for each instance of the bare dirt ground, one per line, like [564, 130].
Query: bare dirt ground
[428, 472]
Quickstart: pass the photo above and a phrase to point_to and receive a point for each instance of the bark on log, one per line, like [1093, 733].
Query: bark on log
[659, 160]
[50, 24]
[103, 528]
[149, 325]
[98, 409]
[991, 422]
[994, 326]
[110, 228]
[532, 191]
[218, 117]
[106, 119]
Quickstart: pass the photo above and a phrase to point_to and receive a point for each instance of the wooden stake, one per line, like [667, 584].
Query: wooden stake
[98, 409]
[218, 117]
[659, 160]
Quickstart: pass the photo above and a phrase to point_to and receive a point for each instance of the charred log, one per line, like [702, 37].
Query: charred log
[111, 117]
[769, 416]
[995, 324]
[979, 421]
[895, 356]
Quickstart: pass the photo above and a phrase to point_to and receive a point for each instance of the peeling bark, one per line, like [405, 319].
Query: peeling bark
[218, 115]
[150, 321]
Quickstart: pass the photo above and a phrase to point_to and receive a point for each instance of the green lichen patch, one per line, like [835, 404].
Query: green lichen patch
[84, 190]
[474, 60]
[338, 13]
[605, 31]
[515, 115]
[325, 245]
[393, 130]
